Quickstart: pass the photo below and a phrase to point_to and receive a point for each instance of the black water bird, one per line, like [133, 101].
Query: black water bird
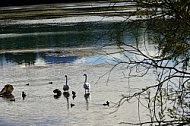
[50, 82]
[106, 104]
[74, 95]
[57, 93]
[23, 95]
[27, 84]
[72, 105]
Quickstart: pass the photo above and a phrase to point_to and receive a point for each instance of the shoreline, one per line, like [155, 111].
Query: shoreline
[68, 12]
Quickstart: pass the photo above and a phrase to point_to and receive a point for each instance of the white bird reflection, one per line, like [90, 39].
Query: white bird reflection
[40, 62]
[66, 95]
[87, 98]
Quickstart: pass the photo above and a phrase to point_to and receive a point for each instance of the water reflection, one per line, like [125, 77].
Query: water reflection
[87, 98]
[73, 35]
[44, 36]
[26, 59]
[67, 35]
[53, 59]
[13, 51]
[66, 95]
[32, 58]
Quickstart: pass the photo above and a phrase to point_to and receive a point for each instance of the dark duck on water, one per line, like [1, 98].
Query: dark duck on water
[106, 104]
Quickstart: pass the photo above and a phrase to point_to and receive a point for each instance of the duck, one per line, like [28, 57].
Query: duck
[57, 93]
[50, 82]
[27, 84]
[86, 85]
[66, 86]
[106, 104]
[74, 95]
[72, 105]
[23, 95]
[73, 92]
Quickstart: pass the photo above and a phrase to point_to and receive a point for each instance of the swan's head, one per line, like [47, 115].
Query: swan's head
[85, 75]
[65, 75]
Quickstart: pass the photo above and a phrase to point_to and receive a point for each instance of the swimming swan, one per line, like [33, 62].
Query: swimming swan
[66, 86]
[86, 85]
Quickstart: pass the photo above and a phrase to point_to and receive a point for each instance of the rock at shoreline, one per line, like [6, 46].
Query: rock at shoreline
[7, 90]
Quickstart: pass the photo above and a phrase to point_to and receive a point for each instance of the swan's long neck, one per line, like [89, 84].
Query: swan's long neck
[85, 79]
[66, 79]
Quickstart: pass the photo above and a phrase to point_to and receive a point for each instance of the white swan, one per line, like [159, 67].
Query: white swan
[66, 86]
[86, 85]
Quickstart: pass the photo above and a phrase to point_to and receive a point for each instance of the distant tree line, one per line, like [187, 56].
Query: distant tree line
[33, 2]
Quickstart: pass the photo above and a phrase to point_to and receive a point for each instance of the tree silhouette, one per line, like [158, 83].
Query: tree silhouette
[166, 25]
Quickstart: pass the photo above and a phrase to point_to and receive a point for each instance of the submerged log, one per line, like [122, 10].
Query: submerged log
[7, 90]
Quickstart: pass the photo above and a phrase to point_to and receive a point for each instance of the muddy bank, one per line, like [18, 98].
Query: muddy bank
[50, 11]
[35, 2]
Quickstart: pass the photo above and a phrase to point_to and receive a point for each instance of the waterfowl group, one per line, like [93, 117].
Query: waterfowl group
[86, 85]
[66, 93]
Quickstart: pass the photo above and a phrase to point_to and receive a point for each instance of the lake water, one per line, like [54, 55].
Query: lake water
[37, 54]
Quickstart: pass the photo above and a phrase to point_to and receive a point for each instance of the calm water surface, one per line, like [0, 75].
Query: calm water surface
[41, 53]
